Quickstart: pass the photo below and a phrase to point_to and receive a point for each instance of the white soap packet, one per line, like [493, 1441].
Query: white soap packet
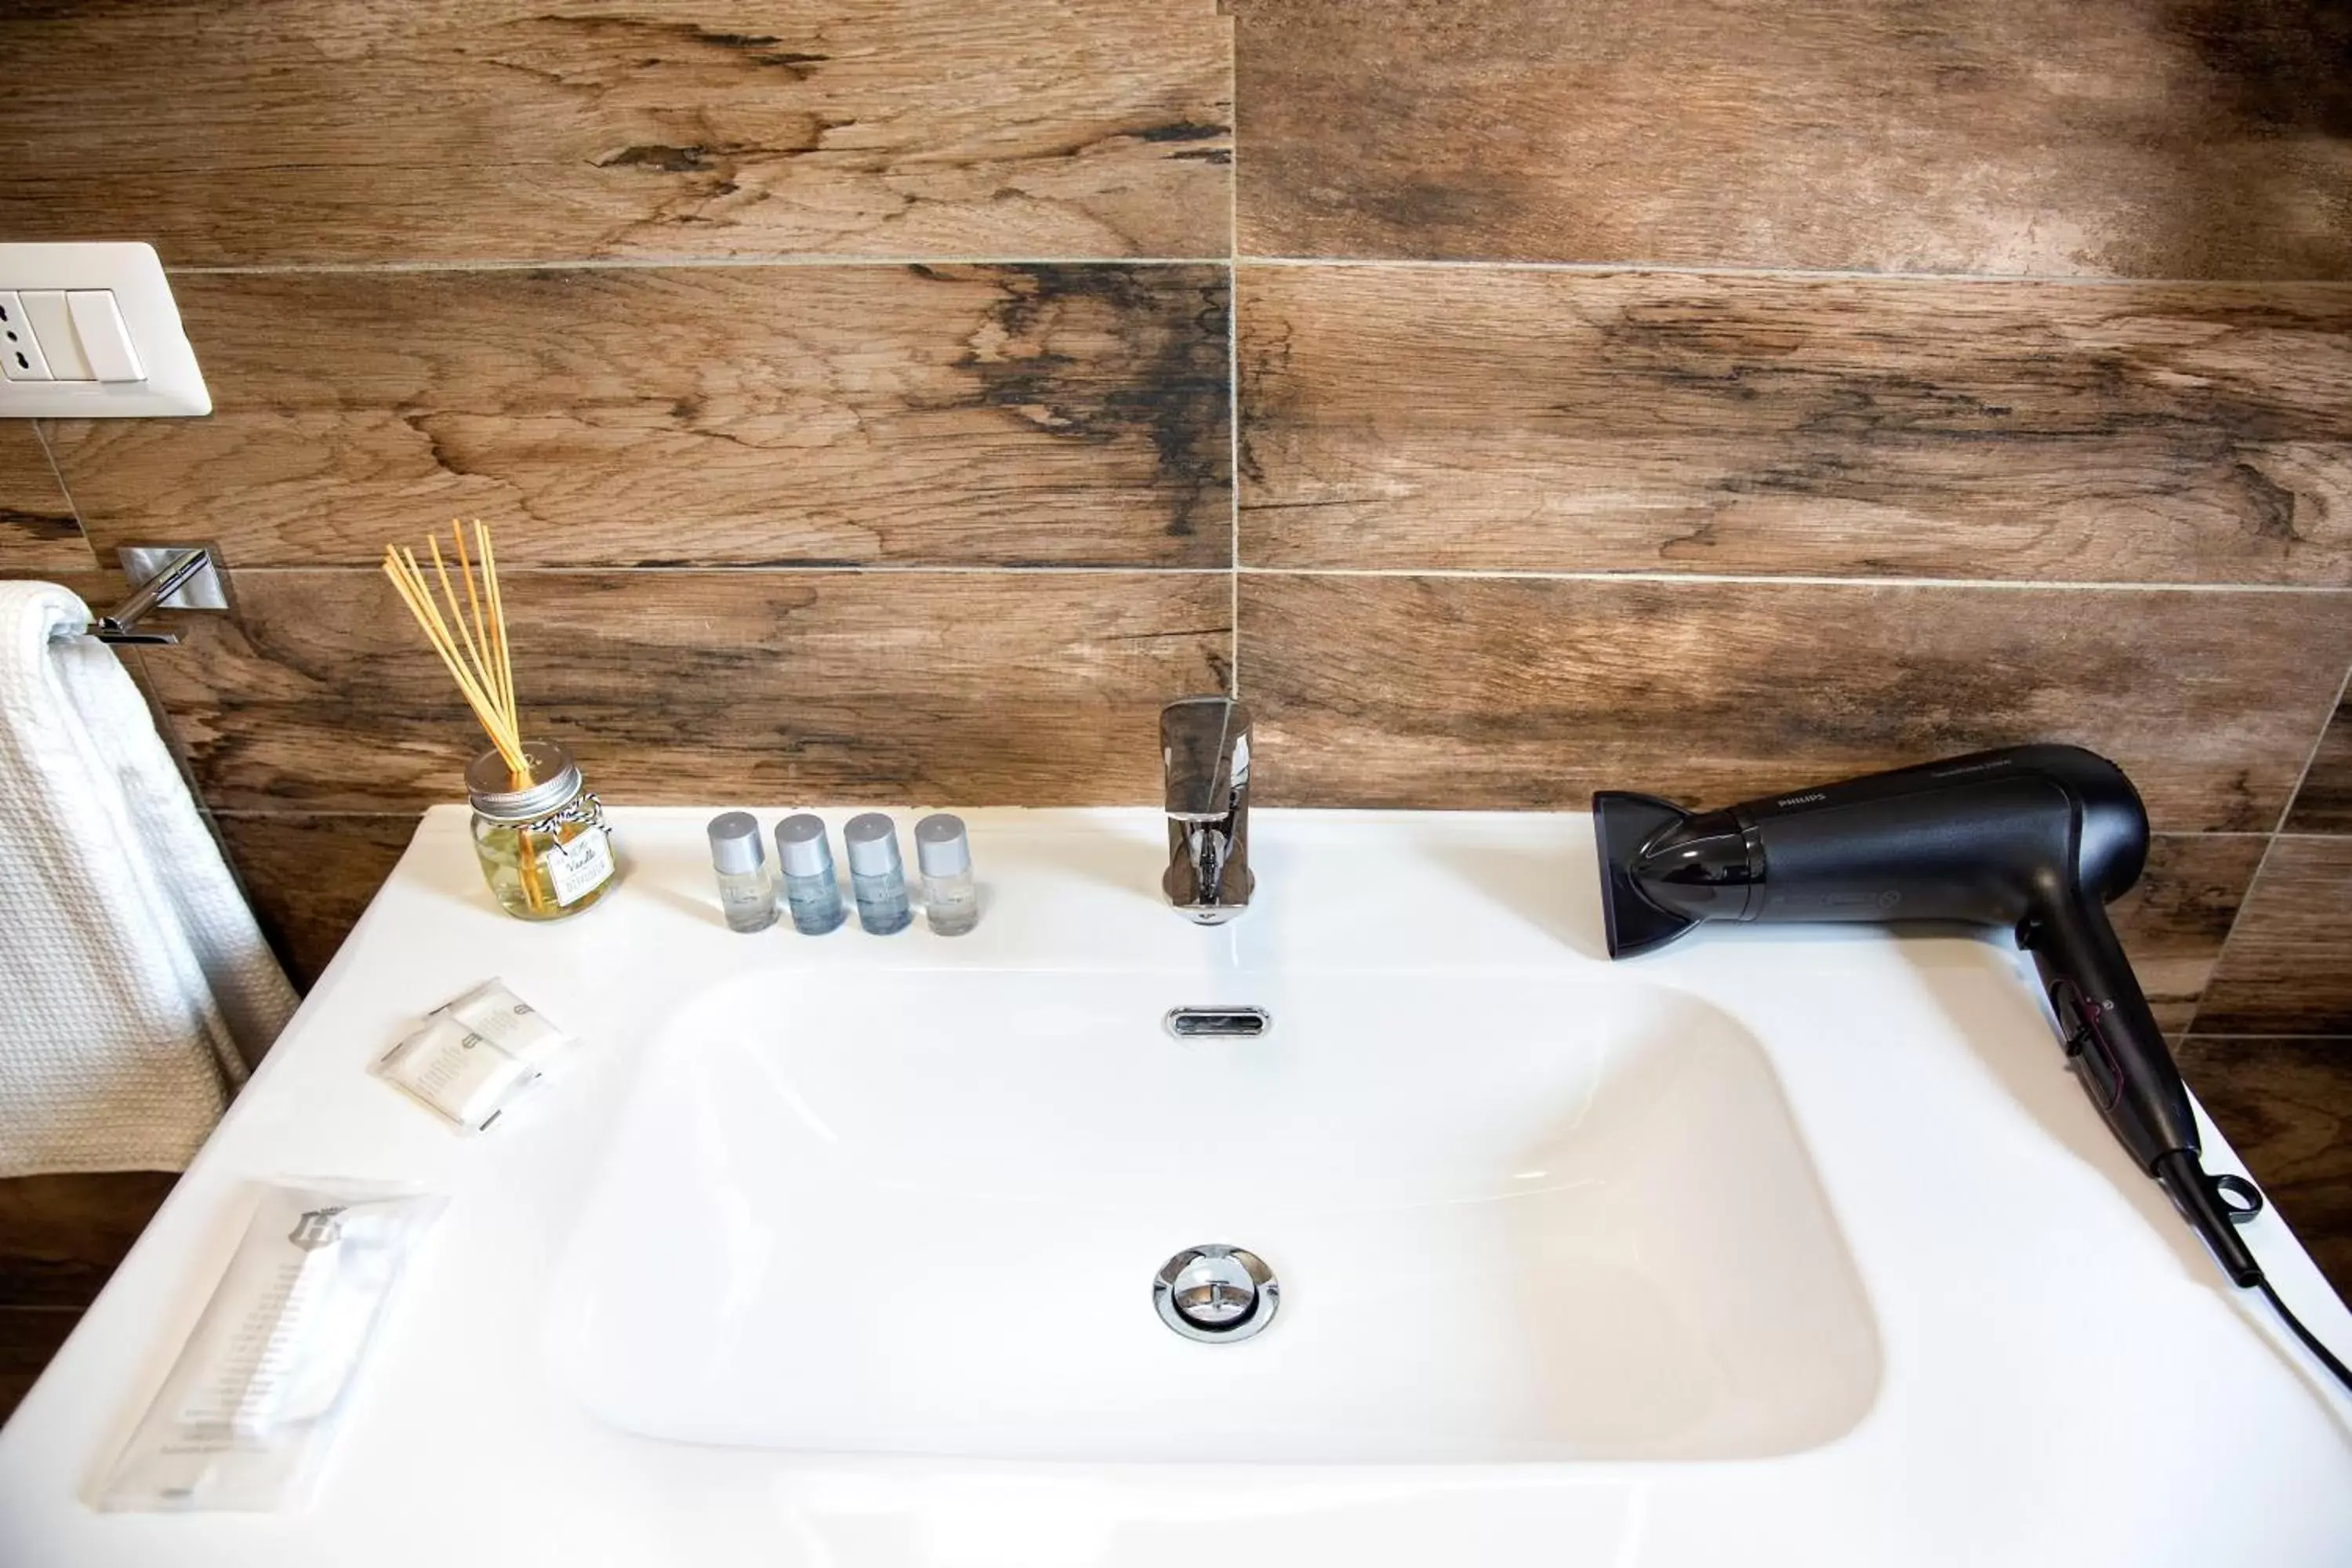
[493, 1011]
[474, 1057]
[246, 1418]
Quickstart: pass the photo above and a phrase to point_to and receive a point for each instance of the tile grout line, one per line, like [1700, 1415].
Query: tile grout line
[1234, 350]
[2198, 833]
[1761, 580]
[1800, 579]
[2273, 1035]
[49, 456]
[2236, 916]
[780, 569]
[2270, 847]
[644, 264]
[1233, 259]
[1824, 274]
[2326, 723]
[295, 810]
[269, 811]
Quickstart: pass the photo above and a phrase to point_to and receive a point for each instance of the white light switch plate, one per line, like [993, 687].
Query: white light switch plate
[158, 351]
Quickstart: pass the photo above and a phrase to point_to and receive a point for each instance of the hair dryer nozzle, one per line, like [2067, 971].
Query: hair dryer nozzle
[1623, 824]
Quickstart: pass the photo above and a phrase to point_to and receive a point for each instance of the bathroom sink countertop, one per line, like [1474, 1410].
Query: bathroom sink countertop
[1776, 1247]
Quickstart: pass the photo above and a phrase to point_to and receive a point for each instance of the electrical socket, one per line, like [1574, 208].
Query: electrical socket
[21, 358]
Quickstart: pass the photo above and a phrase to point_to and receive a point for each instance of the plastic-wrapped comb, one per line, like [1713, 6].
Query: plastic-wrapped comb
[246, 1418]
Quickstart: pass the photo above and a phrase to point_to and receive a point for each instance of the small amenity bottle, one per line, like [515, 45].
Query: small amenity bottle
[810, 891]
[950, 902]
[747, 883]
[876, 875]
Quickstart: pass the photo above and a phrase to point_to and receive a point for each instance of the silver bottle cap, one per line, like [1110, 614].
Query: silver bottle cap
[873, 842]
[941, 848]
[801, 845]
[553, 781]
[735, 847]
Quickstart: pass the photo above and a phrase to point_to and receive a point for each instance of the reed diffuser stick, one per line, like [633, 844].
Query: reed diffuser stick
[474, 601]
[479, 665]
[498, 612]
[410, 584]
[474, 648]
[476, 654]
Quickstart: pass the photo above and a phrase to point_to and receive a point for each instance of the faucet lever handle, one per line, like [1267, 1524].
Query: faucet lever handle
[1204, 754]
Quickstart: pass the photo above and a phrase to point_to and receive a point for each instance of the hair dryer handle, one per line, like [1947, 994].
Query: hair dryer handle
[2118, 1055]
[2111, 1039]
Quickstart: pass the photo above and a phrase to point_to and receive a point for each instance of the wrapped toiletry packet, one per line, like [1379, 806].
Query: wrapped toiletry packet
[246, 1418]
[476, 1057]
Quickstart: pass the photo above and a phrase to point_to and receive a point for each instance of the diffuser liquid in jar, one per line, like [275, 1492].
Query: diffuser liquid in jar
[544, 849]
[545, 876]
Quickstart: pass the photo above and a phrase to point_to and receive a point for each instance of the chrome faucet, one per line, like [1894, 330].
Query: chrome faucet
[1205, 749]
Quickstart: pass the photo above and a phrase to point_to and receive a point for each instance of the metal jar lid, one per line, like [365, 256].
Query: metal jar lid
[555, 780]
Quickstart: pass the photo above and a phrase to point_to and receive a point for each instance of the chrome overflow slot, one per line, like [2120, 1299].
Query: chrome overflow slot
[1217, 1023]
[1216, 1294]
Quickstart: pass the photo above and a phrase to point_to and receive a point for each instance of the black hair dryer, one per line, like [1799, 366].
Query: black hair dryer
[2035, 838]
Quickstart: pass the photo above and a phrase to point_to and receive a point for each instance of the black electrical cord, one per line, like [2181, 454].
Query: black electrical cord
[2310, 1341]
[2215, 1207]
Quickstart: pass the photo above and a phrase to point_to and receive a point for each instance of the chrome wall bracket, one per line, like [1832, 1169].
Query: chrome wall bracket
[164, 577]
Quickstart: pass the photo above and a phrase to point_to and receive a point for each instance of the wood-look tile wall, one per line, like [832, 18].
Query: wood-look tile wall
[850, 385]
[2103, 138]
[1063, 415]
[1653, 508]
[38, 534]
[880, 400]
[1418, 417]
[288, 131]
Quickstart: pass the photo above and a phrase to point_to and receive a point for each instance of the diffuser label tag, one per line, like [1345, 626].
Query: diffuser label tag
[579, 866]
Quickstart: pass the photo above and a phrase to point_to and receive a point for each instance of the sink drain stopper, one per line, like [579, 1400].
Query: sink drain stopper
[1216, 1294]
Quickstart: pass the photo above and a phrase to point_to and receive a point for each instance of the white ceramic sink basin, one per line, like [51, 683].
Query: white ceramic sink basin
[1511, 1219]
[839, 1253]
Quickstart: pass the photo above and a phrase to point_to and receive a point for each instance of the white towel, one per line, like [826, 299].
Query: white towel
[135, 988]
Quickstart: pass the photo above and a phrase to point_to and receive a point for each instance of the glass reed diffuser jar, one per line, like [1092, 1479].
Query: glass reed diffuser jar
[544, 847]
